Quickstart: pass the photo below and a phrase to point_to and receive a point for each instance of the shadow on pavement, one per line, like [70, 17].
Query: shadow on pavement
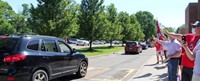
[162, 77]
[66, 78]
[143, 76]
[161, 67]
[150, 65]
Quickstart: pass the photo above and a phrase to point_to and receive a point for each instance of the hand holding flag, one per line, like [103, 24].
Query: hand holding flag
[166, 31]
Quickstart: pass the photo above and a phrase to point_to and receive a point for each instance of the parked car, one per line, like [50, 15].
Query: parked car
[102, 42]
[72, 40]
[82, 42]
[144, 45]
[117, 42]
[96, 42]
[133, 47]
[39, 58]
[150, 44]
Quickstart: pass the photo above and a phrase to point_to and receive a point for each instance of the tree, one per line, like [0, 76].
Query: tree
[7, 18]
[147, 23]
[182, 27]
[54, 17]
[170, 29]
[91, 20]
[138, 32]
[128, 30]
[113, 29]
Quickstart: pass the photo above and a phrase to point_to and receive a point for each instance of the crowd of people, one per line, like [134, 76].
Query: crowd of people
[183, 49]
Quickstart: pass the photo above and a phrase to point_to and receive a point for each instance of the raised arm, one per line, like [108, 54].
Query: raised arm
[176, 36]
[157, 40]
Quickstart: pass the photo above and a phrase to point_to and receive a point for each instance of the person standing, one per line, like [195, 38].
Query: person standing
[158, 52]
[191, 40]
[174, 51]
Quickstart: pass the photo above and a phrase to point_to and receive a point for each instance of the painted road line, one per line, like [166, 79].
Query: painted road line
[96, 72]
[123, 75]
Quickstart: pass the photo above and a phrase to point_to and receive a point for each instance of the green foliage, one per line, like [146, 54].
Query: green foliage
[113, 28]
[91, 20]
[130, 27]
[147, 23]
[170, 29]
[7, 16]
[138, 32]
[180, 28]
[54, 17]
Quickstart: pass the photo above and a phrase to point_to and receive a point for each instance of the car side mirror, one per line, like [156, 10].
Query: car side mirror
[74, 50]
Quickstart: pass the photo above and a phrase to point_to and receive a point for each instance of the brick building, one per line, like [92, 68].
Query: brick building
[192, 14]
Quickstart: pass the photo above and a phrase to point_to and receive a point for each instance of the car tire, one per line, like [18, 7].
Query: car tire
[82, 70]
[39, 75]
[138, 51]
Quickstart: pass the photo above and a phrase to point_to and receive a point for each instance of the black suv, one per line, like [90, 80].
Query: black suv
[38, 58]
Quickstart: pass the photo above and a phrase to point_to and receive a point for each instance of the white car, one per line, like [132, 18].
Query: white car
[96, 42]
[82, 42]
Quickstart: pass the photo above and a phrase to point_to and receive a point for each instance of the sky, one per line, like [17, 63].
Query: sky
[170, 13]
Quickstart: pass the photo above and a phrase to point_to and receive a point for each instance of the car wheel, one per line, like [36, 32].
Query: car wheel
[138, 51]
[40, 75]
[82, 71]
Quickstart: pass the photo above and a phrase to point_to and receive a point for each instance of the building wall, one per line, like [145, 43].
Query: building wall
[191, 15]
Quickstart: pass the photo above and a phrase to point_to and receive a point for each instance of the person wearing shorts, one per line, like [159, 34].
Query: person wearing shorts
[159, 52]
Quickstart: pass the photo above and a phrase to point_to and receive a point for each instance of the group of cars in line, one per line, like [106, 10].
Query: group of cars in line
[136, 47]
[81, 42]
[43, 58]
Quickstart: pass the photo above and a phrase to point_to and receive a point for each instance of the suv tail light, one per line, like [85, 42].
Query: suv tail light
[14, 58]
[10, 78]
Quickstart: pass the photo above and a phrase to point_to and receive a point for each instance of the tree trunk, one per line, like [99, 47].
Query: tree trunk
[90, 49]
[110, 43]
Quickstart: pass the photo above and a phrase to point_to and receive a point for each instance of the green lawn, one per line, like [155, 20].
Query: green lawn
[102, 50]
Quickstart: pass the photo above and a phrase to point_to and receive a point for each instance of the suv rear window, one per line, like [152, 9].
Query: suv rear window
[7, 45]
[131, 44]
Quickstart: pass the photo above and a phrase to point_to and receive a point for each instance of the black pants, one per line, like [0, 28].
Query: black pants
[187, 74]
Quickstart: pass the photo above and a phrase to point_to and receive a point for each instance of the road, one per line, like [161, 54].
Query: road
[114, 67]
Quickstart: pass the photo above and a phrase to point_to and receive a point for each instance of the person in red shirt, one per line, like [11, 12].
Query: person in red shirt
[158, 51]
[191, 40]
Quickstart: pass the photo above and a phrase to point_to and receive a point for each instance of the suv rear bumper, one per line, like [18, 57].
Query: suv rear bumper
[24, 77]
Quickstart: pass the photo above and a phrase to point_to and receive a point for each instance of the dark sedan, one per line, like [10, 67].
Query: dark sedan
[144, 45]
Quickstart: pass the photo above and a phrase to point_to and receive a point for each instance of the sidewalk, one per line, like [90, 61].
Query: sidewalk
[151, 71]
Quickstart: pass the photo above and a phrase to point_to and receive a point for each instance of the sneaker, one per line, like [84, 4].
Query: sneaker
[157, 62]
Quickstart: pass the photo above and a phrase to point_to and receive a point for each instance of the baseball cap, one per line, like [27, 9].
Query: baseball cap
[196, 24]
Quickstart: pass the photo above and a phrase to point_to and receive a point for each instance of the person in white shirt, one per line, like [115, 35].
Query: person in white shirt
[173, 53]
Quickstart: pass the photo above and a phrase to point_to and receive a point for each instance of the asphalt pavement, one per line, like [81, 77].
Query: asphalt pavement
[151, 71]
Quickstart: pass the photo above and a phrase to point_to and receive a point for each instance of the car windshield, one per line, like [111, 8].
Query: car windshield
[7, 45]
[131, 44]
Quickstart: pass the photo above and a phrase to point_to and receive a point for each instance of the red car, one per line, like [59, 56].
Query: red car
[133, 47]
